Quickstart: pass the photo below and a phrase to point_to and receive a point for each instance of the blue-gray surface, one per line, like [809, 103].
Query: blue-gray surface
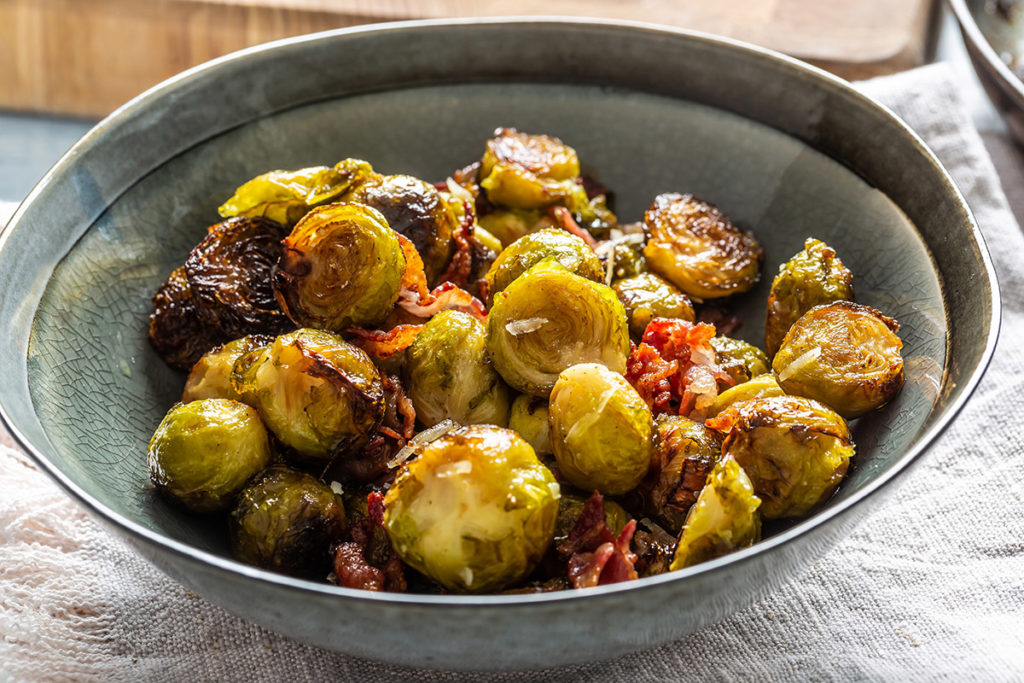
[29, 145]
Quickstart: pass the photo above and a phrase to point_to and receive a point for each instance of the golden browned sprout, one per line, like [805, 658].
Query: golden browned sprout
[648, 296]
[843, 354]
[741, 360]
[175, 331]
[529, 419]
[211, 375]
[684, 453]
[525, 171]
[549, 244]
[795, 451]
[695, 247]
[813, 277]
[342, 266]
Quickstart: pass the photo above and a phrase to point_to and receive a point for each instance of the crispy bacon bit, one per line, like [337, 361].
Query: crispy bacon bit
[460, 268]
[353, 571]
[674, 369]
[383, 344]
[368, 561]
[415, 298]
[596, 556]
[563, 217]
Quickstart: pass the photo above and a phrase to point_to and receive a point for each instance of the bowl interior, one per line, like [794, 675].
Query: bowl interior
[99, 390]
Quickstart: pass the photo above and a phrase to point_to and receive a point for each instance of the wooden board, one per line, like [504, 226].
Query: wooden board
[86, 57]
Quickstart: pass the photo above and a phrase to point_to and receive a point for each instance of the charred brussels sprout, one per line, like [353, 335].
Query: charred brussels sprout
[600, 429]
[843, 354]
[723, 519]
[549, 319]
[648, 296]
[204, 452]
[812, 278]
[317, 393]
[695, 247]
[417, 210]
[761, 386]
[229, 272]
[449, 376]
[342, 266]
[570, 507]
[175, 331]
[529, 419]
[475, 511]
[741, 360]
[287, 521]
[795, 451]
[211, 375]
[529, 171]
[550, 244]
[684, 453]
[287, 196]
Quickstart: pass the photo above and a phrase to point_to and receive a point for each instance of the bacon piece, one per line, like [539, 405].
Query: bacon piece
[354, 563]
[445, 296]
[596, 555]
[460, 268]
[375, 508]
[353, 571]
[563, 217]
[383, 344]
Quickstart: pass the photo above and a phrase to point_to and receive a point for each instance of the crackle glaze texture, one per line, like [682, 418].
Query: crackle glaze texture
[783, 151]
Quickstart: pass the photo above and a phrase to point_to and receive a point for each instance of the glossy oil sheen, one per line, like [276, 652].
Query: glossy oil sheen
[784, 151]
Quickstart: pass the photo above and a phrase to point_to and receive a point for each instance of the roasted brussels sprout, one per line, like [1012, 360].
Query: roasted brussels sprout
[415, 209]
[229, 272]
[813, 277]
[529, 419]
[530, 171]
[570, 507]
[475, 511]
[204, 452]
[723, 519]
[795, 451]
[695, 247]
[449, 376]
[843, 354]
[626, 254]
[600, 429]
[287, 196]
[761, 386]
[741, 360]
[508, 225]
[287, 521]
[684, 453]
[552, 244]
[317, 393]
[549, 319]
[175, 331]
[648, 296]
[211, 375]
[342, 266]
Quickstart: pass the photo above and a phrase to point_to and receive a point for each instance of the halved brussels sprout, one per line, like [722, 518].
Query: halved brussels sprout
[741, 360]
[813, 277]
[287, 521]
[570, 507]
[204, 452]
[600, 429]
[549, 319]
[843, 354]
[475, 511]
[724, 518]
[211, 375]
[552, 244]
[317, 393]
[508, 225]
[449, 376]
[229, 272]
[648, 296]
[761, 386]
[695, 247]
[342, 266]
[175, 330]
[684, 453]
[529, 419]
[414, 208]
[795, 451]
[287, 196]
[529, 171]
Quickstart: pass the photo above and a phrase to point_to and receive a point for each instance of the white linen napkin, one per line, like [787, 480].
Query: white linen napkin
[931, 586]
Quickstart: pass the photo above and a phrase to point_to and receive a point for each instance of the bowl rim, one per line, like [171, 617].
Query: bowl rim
[973, 35]
[191, 554]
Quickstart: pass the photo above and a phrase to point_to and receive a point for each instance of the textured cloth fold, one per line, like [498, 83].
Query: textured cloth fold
[931, 586]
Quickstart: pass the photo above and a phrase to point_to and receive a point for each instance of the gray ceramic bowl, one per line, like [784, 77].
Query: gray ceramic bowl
[784, 149]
